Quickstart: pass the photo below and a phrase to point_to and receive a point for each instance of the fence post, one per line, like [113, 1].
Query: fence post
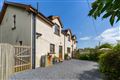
[6, 61]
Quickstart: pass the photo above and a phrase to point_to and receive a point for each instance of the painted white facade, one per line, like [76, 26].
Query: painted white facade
[24, 33]
[48, 37]
[68, 44]
[58, 40]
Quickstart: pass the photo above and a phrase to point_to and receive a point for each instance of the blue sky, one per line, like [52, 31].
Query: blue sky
[73, 14]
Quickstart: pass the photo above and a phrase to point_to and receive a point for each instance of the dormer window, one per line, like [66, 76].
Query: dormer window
[57, 29]
[14, 22]
[69, 38]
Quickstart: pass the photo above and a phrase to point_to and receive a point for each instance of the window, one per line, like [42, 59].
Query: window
[60, 49]
[68, 50]
[20, 43]
[52, 48]
[14, 22]
[57, 30]
[68, 37]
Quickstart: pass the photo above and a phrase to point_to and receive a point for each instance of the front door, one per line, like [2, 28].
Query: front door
[60, 53]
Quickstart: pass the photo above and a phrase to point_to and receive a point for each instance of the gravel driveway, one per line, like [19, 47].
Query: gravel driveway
[67, 70]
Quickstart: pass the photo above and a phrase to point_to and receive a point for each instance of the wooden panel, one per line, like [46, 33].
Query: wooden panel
[6, 61]
[22, 58]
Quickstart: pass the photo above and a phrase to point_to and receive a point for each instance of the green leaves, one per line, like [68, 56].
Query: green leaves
[112, 19]
[106, 15]
[118, 16]
[109, 63]
[105, 7]
[91, 12]
[109, 8]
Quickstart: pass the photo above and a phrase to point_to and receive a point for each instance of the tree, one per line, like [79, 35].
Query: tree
[106, 45]
[109, 8]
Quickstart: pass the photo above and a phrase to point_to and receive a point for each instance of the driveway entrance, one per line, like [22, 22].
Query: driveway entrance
[68, 70]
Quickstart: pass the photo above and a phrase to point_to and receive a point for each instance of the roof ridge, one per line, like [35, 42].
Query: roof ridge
[27, 7]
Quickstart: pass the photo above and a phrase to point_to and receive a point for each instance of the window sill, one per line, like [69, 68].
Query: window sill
[57, 34]
[51, 53]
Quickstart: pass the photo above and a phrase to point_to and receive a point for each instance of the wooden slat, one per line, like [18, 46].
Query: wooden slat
[22, 58]
[20, 52]
[22, 65]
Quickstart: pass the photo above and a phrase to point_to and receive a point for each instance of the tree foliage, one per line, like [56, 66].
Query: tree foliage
[106, 45]
[109, 8]
[110, 64]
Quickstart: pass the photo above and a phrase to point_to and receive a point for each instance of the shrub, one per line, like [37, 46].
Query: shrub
[66, 56]
[106, 45]
[92, 56]
[110, 64]
[55, 58]
[84, 56]
[117, 48]
[76, 55]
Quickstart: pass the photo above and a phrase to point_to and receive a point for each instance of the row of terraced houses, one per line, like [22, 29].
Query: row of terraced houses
[21, 24]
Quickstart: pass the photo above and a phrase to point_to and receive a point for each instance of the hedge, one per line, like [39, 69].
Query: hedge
[110, 64]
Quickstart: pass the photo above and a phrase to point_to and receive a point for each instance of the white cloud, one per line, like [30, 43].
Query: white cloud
[110, 35]
[85, 38]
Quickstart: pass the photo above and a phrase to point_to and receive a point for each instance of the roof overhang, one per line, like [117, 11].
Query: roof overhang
[27, 8]
[56, 17]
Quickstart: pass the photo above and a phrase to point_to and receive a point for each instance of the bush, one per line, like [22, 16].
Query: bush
[84, 56]
[106, 45]
[55, 59]
[66, 56]
[92, 56]
[95, 55]
[110, 64]
[76, 55]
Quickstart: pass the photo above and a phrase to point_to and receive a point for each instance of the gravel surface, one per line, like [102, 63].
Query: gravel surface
[67, 70]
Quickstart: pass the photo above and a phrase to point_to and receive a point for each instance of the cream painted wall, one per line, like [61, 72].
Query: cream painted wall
[59, 39]
[74, 44]
[48, 37]
[56, 21]
[68, 44]
[23, 27]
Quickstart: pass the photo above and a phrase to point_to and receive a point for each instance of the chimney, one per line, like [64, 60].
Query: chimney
[37, 6]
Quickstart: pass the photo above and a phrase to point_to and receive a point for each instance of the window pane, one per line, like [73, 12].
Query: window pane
[69, 38]
[60, 49]
[57, 31]
[68, 50]
[52, 48]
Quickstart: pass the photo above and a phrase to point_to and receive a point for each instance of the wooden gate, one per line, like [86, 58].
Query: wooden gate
[22, 58]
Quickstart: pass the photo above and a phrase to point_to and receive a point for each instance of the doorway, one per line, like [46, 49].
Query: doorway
[60, 53]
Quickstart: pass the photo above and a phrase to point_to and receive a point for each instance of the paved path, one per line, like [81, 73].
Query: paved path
[67, 70]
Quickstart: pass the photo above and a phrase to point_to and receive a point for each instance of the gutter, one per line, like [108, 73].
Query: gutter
[33, 40]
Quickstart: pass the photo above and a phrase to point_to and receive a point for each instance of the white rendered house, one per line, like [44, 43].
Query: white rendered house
[21, 24]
